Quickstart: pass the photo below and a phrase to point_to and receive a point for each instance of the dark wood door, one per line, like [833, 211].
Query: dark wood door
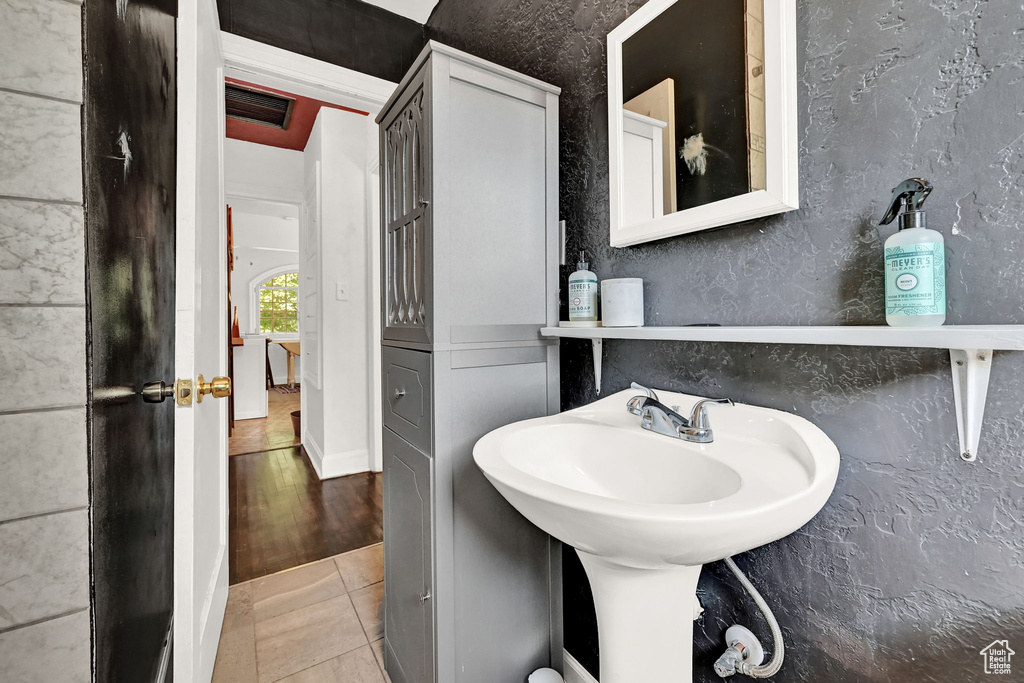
[130, 172]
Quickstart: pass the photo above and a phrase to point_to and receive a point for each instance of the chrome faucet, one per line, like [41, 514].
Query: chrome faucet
[659, 418]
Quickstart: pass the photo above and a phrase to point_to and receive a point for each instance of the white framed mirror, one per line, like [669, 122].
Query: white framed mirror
[702, 116]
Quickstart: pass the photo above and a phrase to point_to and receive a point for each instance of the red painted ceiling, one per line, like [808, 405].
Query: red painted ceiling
[299, 128]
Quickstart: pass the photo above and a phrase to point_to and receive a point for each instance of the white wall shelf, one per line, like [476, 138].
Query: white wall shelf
[970, 351]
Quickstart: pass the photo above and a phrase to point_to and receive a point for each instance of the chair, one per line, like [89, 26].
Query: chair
[270, 370]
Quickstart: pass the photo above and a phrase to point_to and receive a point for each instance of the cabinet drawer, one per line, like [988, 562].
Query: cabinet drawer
[407, 395]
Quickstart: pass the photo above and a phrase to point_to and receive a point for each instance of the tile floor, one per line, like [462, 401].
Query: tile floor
[322, 622]
[273, 431]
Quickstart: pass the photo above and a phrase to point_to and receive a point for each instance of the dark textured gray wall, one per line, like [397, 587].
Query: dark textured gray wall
[917, 561]
[349, 33]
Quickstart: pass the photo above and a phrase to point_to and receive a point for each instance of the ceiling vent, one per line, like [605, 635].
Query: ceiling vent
[257, 106]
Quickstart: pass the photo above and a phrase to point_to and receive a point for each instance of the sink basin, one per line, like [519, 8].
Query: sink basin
[645, 511]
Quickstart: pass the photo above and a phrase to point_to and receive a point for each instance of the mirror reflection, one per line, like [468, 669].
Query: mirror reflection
[693, 107]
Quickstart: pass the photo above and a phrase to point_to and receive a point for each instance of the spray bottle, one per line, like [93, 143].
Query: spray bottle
[915, 261]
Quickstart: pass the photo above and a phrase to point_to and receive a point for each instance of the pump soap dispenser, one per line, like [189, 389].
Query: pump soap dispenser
[915, 261]
[583, 294]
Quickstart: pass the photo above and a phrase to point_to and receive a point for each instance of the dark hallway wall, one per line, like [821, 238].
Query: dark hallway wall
[916, 562]
[349, 33]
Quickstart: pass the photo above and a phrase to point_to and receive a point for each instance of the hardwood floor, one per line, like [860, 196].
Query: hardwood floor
[265, 433]
[282, 516]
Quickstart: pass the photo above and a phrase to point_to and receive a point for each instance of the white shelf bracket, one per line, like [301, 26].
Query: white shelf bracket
[598, 345]
[971, 369]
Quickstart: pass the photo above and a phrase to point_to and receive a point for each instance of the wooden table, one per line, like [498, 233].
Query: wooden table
[293, 349]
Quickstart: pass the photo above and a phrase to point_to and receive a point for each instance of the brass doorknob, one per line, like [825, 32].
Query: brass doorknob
[218, 386]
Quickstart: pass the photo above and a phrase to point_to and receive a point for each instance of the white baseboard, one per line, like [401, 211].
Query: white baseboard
[347, 462]
[312, 448]
[334, 465]
[574, 671]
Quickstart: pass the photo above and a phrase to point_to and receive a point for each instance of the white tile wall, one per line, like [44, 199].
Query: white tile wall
[42, 253]
[44, 569]
[41, 145]
[44, 527]
[42, 357]
[55, 650]
[41, 50]
[45, 461]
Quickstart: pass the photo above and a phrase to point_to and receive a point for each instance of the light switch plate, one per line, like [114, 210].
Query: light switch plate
[341, 292]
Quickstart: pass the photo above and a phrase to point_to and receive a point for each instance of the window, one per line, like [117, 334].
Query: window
[279, 304]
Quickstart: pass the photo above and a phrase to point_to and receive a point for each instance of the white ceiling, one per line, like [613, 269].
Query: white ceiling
[418, 10]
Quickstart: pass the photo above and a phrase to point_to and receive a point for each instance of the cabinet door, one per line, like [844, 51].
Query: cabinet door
[405, 194]
[407, 395]
[408, 564]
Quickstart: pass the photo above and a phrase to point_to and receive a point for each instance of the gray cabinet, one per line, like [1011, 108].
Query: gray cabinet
[409, 618]
[407, 396]
[405, 142]
[469, 154]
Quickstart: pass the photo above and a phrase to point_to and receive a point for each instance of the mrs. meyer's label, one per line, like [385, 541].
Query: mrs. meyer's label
[583, 300]
[915, 279]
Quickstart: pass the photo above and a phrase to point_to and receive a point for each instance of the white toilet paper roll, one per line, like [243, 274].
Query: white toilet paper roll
[622, 302]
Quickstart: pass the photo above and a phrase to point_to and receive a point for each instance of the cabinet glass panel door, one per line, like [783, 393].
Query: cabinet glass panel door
[406, 197]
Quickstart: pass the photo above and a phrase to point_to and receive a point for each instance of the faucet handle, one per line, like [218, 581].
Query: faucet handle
[648, 392]
[699, 414]
[635, 405]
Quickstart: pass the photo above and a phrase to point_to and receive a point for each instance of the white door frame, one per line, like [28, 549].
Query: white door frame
[200, 600]
[274, 67]
[200, 431]
[374, 289]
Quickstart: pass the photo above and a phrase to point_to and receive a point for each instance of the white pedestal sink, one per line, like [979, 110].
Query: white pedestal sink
[645, 511]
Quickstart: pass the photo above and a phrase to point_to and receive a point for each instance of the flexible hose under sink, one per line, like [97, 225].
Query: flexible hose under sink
[778, 647]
